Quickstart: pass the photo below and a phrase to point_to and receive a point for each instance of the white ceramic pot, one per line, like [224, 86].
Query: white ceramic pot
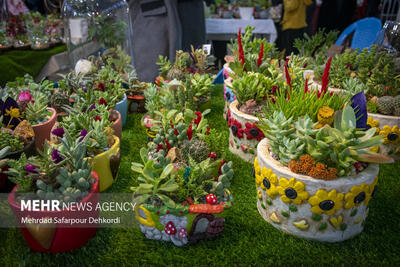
[244, 135]
[246, 13]
[391, 146]
[329, 211]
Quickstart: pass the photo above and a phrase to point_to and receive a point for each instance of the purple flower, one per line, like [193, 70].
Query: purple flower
[59, 132]
[31, 168]
[25, 97]
[92, 107]
[112, 81]
[55, 155]
[83, 88]
[83, 133]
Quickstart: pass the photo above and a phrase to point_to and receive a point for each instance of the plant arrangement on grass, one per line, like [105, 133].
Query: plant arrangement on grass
[62, 174]
[315, 181]
[183, 187]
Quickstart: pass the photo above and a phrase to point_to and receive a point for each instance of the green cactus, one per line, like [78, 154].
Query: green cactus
[396, 111]
[36, 112]
[386, 105]
[197, 149]
[58, 101]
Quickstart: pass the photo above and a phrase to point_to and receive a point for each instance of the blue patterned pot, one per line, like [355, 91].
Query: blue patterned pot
[122, 108]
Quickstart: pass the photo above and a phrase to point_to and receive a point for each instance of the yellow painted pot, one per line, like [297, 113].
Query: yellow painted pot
[106, 165]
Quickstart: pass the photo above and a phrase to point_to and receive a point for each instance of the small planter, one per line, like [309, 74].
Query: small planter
[117, 126]
[136, 104]
[391, 136]
[244, 135]
[55, 237]
[147, 124]
[5, 184]
[246, 13]
[189, 224]
[122, 107]
[329, 211]
[42, 130]
[227, 14]
[106, 165]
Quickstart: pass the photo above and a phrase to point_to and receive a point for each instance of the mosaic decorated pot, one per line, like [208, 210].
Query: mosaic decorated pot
[182, 226]
[388, 127]
[55, 237]
[244, 135]
[329, 211]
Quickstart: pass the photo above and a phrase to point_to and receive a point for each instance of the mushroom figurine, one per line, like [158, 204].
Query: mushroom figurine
[170, 228]
[211, 199]
[182, 233]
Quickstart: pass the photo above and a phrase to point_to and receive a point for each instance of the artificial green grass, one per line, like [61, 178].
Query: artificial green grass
[247, 238]
[16, 63]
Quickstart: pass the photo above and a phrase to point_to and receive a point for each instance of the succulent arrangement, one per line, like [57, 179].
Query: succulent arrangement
[323, 153]
[316, 45]
[63, 173]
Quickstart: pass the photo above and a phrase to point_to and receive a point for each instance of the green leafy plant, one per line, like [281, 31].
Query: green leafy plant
[107, 32]
[319, 43]
[36, 111]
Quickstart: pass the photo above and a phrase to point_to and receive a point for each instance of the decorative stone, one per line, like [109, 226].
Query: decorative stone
[291, 193]
[172, 154]
[320, 212]
[360, 198]
[266, 183]
[263, 206]
[343, 226]
[243, 118]
[25, 130]
[302, 224]
[293, 208]
[274, 218]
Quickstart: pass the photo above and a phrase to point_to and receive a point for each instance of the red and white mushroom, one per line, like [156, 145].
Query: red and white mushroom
[211, 199]
[182, 233]
[170, 228]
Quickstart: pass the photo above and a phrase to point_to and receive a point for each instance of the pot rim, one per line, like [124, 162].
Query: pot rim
[263, 149]
[233, 108]
[116, 143]
[52, 117]
[122, 101]
[383, 116]
[95, 186]
[119, 117]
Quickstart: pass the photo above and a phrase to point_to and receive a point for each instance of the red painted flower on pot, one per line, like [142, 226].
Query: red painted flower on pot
[236, 128]
[229, 118]
[253, 132]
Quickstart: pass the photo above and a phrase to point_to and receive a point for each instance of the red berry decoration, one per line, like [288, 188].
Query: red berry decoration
[170, 228]
[211, 199]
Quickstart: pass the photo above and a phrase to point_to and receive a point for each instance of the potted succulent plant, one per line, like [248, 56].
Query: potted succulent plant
[63, 175]
[183, 188]
[102, 147]
[316, 181]
[263, 9]
[5, 40]
[246, 8]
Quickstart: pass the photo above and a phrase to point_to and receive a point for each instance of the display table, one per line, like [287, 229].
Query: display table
[16, 63]
[226, 29]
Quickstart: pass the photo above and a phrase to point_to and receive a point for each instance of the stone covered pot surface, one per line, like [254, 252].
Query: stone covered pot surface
[182, 226]
[388, 127]
[329, 211]
[244, 134]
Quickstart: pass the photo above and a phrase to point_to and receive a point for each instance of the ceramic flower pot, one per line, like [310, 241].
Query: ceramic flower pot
[54, 236]
[42, 130]
[122, 107]
[244, 134]
[136, 104]
[182, 226]
[246, 13]
[106, 165]
[388, 127]
[5, 184]
[117, 126]
[329, 211]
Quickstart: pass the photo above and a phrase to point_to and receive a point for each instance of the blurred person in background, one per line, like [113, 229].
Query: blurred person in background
[293, 22]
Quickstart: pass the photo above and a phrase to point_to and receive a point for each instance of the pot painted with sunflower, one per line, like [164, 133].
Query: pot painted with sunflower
[244, 134]
[328, 211]
[388, 127]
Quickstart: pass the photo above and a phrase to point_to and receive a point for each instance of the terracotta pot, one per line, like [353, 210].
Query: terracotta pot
[243, 143]
[106, 165]
[42, 131]
[57, 237]
[329, 211]
[199, 221]
[122, 107]
[389, 148]
[29, 150]
[117, 127]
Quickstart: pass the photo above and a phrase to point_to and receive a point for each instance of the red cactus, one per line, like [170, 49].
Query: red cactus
[190, 132]
[241, 52]
[288, 80]
[325, 76]
[260, 55]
